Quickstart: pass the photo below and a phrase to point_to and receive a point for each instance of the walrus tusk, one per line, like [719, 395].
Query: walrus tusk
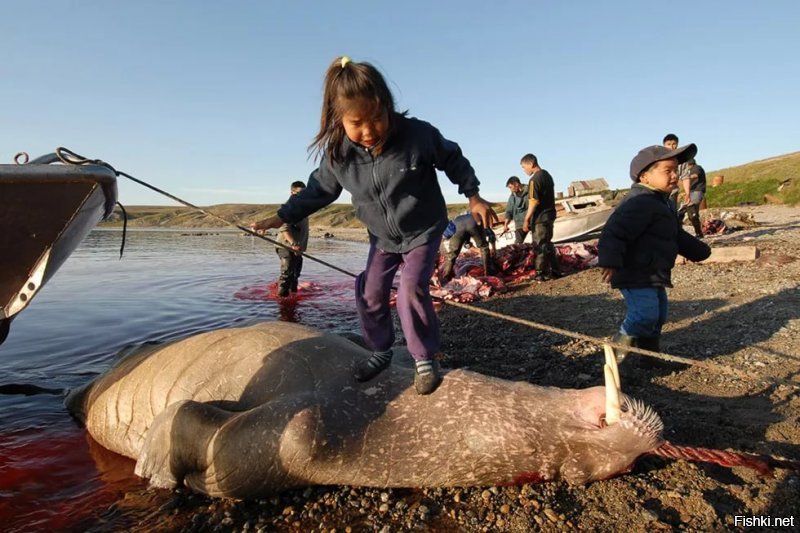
[613, 412]
[611, 361]
[611, 373]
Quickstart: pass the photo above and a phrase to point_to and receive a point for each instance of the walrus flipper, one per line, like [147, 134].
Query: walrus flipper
[176, 443]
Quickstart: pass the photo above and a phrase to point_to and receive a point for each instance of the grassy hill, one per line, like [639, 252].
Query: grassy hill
[334, 216]
[773, 180]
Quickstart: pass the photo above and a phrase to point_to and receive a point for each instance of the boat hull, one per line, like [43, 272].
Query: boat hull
[577, 219]
[45, 212]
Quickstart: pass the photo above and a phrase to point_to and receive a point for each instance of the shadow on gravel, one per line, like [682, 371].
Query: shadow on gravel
[723, 418]
[740, 326]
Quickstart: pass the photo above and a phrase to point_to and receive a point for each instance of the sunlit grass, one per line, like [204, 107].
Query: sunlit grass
[741, 193]
[776, 179]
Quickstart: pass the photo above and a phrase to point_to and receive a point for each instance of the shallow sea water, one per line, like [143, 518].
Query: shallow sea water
[168, 284]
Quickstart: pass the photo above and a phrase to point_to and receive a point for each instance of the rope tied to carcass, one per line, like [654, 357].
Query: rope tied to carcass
[764, 464]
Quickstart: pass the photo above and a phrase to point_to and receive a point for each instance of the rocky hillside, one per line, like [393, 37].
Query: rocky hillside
[770, 181]
[333, 216]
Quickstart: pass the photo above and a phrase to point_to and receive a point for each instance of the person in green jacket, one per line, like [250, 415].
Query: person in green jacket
[516, 208]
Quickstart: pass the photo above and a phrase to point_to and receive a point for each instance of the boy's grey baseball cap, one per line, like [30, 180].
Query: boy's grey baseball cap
[651, 154]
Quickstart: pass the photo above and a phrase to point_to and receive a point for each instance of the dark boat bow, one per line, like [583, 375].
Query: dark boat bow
[46, 210]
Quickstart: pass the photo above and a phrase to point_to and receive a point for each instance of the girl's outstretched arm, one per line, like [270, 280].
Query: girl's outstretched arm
[322, 190]
[270, 222]
[482, 211]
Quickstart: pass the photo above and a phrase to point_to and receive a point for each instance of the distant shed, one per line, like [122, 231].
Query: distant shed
[579, 188]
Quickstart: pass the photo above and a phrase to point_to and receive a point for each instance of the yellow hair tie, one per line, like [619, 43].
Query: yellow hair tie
[345, 61]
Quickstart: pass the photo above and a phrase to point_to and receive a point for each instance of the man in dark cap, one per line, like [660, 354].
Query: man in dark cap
[640, 242]
[295, 236]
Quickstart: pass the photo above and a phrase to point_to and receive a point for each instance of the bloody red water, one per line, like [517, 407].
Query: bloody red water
[52, 481]
[269, 291]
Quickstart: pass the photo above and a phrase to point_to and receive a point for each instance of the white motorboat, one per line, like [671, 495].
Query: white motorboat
[577, 218]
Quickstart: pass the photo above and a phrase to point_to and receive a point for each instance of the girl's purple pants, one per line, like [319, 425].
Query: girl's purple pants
[414, 304]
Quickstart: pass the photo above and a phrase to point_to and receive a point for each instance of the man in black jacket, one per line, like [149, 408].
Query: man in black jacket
[540, 217]
[640, 242]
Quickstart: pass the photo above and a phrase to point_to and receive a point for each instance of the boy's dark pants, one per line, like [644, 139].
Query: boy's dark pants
[646, 311]
[519, 236]
[414, 304]
[291, 266]
[546, 260]
[646, 314]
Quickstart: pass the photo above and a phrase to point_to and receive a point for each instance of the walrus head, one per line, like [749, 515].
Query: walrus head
[615, 430]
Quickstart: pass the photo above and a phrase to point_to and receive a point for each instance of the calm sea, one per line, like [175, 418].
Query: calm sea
[168, 284]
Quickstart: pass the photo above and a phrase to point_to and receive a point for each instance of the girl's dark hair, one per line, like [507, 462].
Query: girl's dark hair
[346, 80]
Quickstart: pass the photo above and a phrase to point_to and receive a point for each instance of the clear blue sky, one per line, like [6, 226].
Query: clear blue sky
[216, 102]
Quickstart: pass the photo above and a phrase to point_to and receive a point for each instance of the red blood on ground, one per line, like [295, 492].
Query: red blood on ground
[526, 477]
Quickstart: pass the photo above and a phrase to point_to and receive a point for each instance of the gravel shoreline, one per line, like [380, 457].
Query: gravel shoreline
[744, 315]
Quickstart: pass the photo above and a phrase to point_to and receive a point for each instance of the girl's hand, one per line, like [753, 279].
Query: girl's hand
[608, 273]
[268, 223]
[482, 211]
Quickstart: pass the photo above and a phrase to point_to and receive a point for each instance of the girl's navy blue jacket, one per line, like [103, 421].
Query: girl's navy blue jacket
[642, 239]
[395, 194]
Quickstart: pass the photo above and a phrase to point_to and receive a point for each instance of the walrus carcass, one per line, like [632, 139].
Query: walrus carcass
[245, 412]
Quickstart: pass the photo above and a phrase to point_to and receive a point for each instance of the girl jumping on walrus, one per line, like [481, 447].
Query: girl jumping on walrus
[387, 161]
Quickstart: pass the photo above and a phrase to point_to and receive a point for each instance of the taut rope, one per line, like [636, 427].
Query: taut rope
[762, 463]
[70, 157]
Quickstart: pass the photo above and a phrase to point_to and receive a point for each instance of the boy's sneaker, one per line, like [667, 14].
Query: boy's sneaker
[427, 376]
[377, 363]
